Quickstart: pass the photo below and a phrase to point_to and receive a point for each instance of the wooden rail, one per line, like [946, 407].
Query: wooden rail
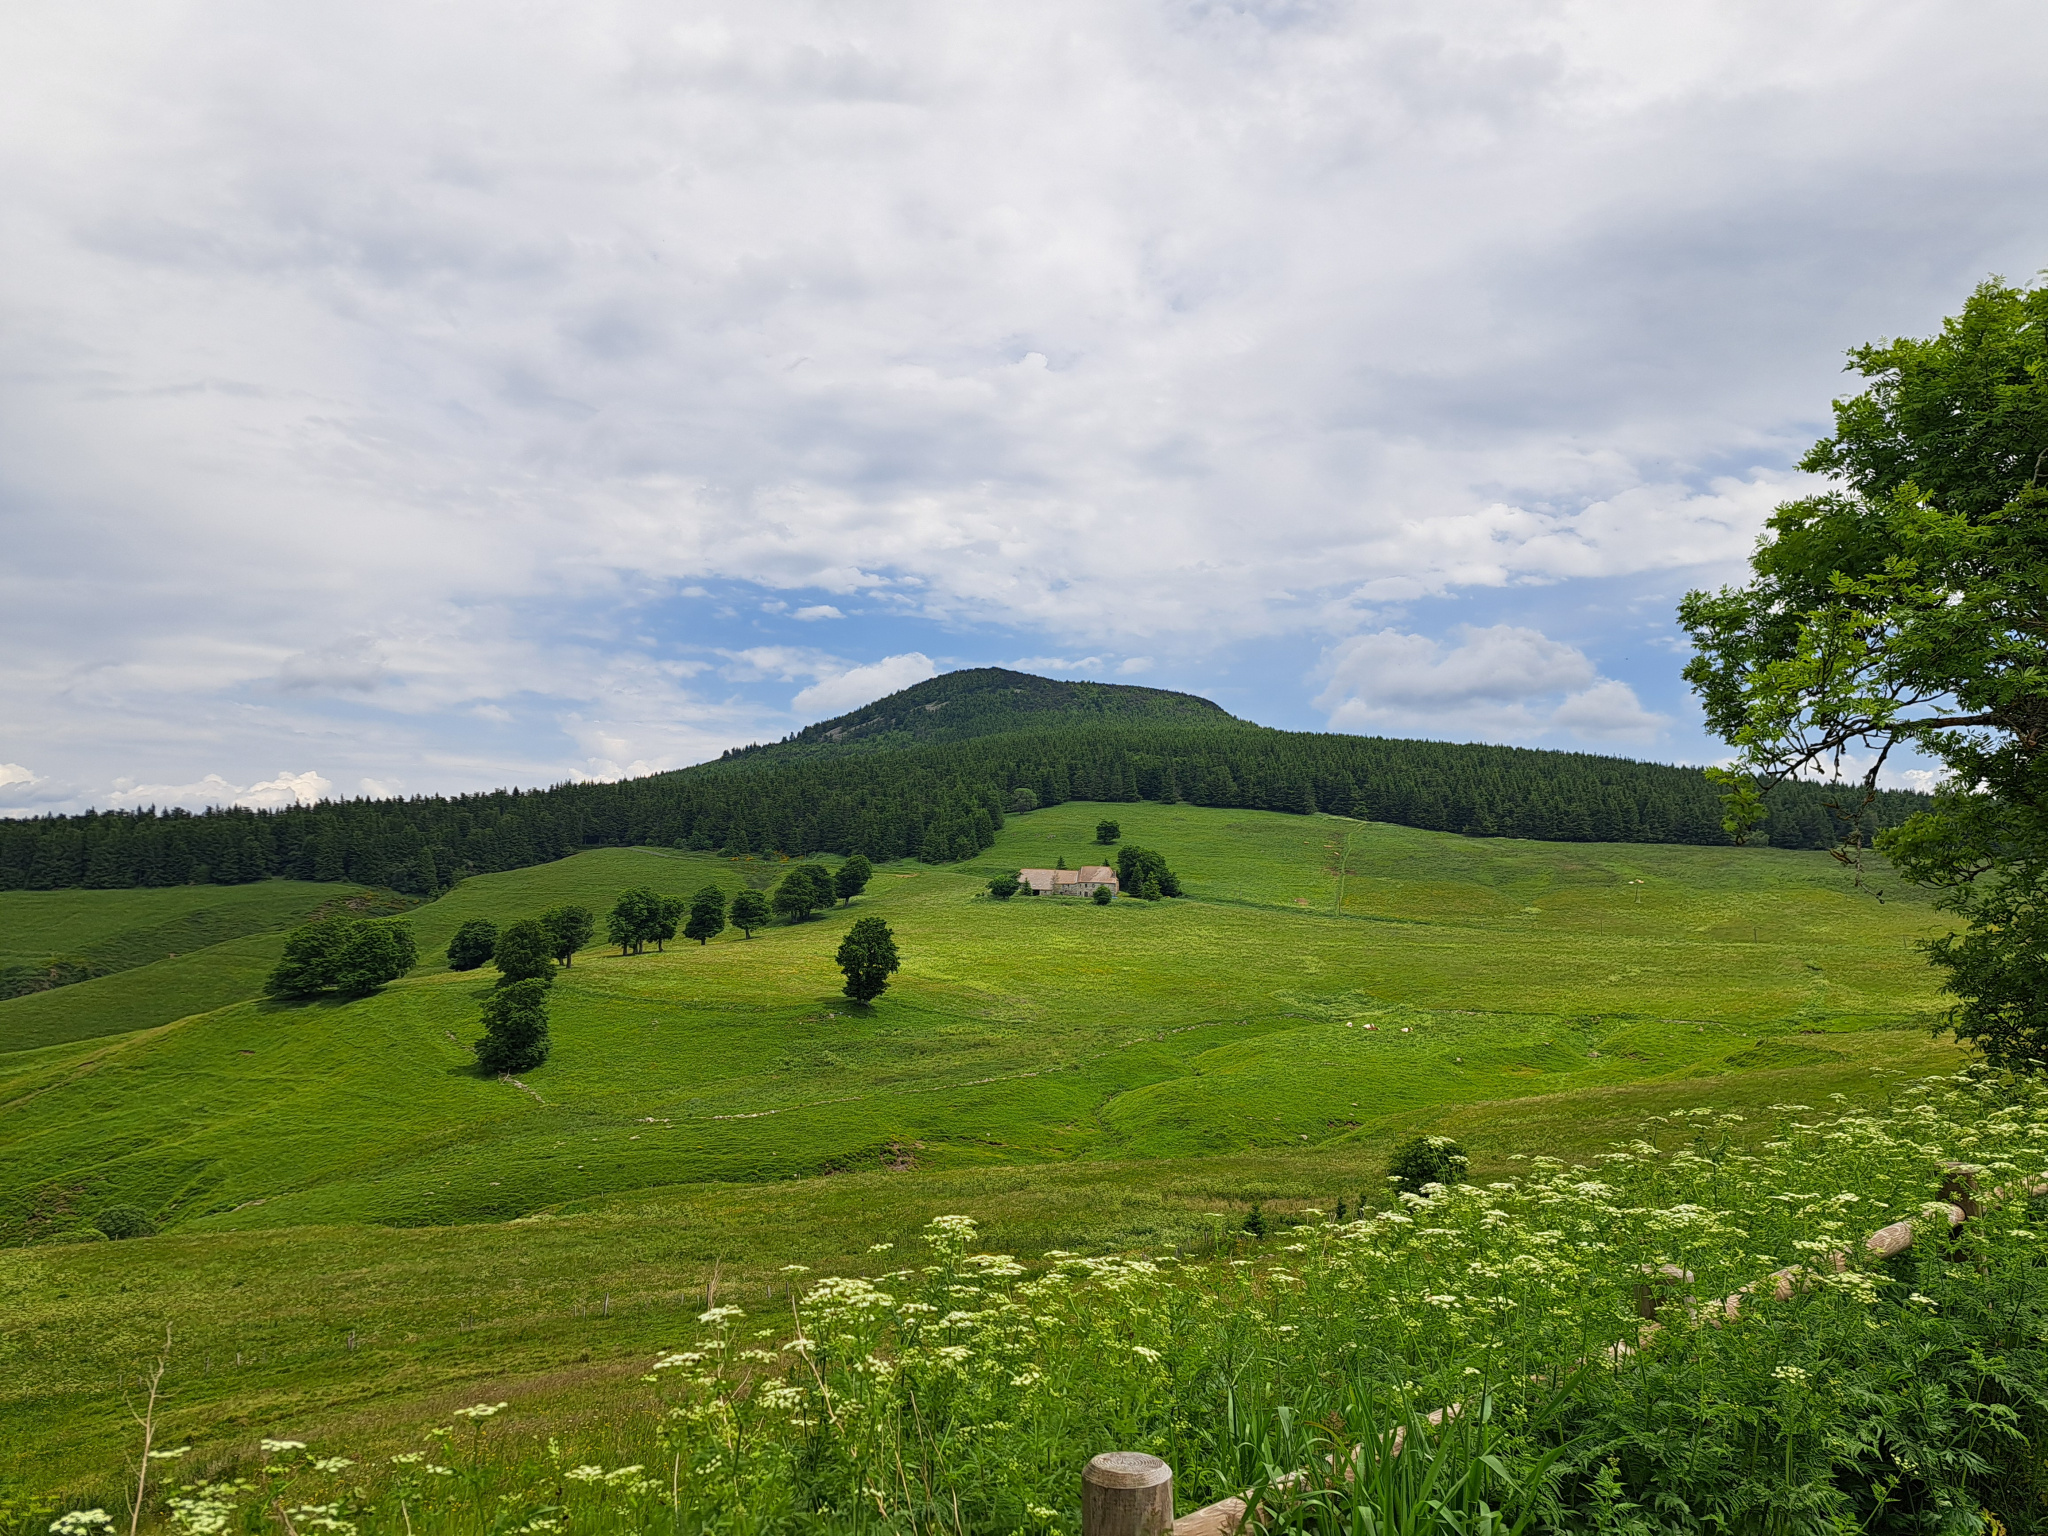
[1128, 1493]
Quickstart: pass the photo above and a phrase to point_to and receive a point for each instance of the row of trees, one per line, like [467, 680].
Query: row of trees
[940, 803]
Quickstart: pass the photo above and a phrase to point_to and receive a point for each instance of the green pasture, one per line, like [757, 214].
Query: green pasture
[1073, 1075]
[170, 953]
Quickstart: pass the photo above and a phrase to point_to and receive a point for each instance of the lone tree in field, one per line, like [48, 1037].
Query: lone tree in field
[868, 957]
[351, 956]
[569, 929]
[1424, 1160]
[515, 1037]
[1107, 832]
[473, 945]
[1902, 608]
[1003, 887]
[852, 878]
[633, 919]
[707, 915]
[750, 911]
[526, 952]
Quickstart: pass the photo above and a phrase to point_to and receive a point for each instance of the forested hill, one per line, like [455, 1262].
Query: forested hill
[982, 701]
[938, 800]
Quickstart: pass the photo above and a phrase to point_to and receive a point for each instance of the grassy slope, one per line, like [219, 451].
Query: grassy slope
[184, 950]
[1075, 1075]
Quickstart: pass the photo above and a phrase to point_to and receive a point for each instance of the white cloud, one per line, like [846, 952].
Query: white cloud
[213, 790]
[850, 689]
[1503, 682]
[411, 354]
[1131, 666]
[12, 774]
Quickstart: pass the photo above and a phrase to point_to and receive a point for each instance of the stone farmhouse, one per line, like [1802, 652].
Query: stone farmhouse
[1084, 881]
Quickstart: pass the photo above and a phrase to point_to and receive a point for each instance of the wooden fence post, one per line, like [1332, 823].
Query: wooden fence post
[1126, 1493]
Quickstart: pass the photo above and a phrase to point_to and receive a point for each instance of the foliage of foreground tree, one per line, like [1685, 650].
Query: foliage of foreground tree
[475, 942]
[1907, 608]
[868, 957]
[352, 956]
[515, 1037]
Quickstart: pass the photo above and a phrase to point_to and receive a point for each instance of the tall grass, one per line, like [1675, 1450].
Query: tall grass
[963, 1391]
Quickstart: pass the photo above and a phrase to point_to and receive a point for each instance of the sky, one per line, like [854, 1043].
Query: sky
[426, 397]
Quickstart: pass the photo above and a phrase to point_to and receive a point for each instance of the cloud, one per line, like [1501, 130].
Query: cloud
[213, 790]
[818, 611]
[354, 665]
[862, 685]
[384, 363]
[1503, 682]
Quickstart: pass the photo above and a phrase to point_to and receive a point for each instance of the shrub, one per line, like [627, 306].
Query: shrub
[1424, 1160]
[475, 942]
[1101, 896]
[120, 1222]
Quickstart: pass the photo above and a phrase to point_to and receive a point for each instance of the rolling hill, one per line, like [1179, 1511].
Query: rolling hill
[354, 1216]
[930, 774]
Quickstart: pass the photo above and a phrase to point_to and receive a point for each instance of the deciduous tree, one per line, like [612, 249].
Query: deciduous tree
[668, 913]
[707, 915]
[750, 911]
[798, 895]
[868, 957]
[1107, 832]
[852, 878]
[353, 956]
[515, 1018]
[1903, 609]
[569, 929]
[633, 919]
[526, 952]
[1003, 887]
[473, 945]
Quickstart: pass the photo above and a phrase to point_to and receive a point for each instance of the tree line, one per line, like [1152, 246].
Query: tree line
[939, 803]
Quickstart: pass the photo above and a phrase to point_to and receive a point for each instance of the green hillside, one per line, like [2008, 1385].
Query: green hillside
[983, 701]
[930, 774]
[1074, 1075]
[160, 954]
[1032, 1031]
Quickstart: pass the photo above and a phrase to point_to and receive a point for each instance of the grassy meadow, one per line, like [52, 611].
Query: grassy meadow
[168, 953]
[355, 1221]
